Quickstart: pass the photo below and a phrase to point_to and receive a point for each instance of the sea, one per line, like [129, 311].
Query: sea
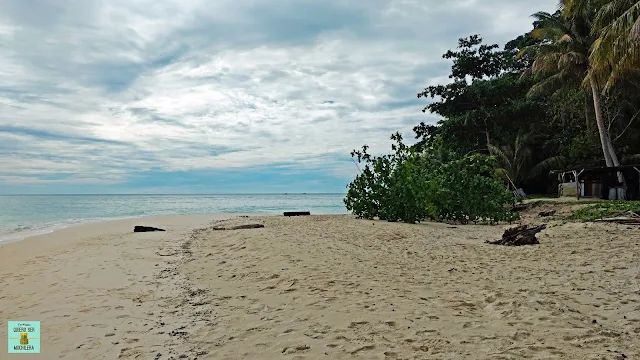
[28, 215]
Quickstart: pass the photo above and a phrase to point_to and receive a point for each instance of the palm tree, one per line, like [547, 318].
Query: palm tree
[563, 56]
[616, 51]
[515, 161]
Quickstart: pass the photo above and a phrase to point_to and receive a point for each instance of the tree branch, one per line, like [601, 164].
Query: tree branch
[626, 127]
[356, 165]
[612, 119]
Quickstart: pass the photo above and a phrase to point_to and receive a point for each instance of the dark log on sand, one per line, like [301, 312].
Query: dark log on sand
[139, 228]
[546, 213]
[519, 236]
[627, 217]
[622, 220]
[296, 213]
[238, 227]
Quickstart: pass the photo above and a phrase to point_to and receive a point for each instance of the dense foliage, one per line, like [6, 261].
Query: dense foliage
[564, 94]
[435, 183]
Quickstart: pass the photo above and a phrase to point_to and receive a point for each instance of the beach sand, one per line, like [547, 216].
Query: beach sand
[325, 287]
[95, 288]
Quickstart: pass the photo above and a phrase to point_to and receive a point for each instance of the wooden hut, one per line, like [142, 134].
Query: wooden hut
[600, 183]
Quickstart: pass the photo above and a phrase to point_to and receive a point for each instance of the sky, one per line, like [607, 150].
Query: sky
[201, 96]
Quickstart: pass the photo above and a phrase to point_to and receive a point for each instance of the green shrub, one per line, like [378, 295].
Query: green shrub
[604, 209]
[435, 184]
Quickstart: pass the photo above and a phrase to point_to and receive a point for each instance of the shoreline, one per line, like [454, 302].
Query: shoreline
[31, 215]
[47, 229]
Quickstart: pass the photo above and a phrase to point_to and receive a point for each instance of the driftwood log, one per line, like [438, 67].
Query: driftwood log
[296, 213]
[139, 228]
[239, 227]
[519, 236]
[546, 213]
[622, 220]
[627, 217]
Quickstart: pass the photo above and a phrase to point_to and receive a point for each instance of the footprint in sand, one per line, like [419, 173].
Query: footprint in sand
[356, 324]
[363, 348]
[295, 349]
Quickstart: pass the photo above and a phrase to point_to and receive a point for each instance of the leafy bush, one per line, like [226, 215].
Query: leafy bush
[435, 183]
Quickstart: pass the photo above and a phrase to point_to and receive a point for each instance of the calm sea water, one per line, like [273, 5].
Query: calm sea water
[27, 215]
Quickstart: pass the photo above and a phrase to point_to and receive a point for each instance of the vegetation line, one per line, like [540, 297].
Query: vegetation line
[544, 100]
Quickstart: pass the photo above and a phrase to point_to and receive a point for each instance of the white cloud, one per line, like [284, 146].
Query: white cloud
[184, 85]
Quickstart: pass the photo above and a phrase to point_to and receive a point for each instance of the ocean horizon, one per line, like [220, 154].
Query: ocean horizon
[34, 214]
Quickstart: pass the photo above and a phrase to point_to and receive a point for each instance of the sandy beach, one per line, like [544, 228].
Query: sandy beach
[95, 288]
[324, 287]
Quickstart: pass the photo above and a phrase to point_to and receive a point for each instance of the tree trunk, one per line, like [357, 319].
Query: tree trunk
[588, 110]
[605, 142]
[616, 162]
[612, 152]
[610, 156]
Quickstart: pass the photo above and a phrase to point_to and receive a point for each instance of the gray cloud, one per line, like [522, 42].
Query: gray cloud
[191, 84]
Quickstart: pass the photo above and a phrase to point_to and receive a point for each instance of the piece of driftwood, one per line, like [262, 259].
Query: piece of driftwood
[139, 228]
[627, 218]
[519, 236]
[622, 220]
[238, 227]
[296, 213]
[546, 213]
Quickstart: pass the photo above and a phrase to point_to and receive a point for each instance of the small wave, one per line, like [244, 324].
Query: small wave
[19, 228]
[17, 234]
[20, 232]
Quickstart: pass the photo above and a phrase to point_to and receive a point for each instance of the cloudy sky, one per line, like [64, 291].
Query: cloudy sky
[220, 96]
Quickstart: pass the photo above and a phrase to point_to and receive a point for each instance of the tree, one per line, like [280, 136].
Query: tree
[483, 99]
[515, 161]
[617, 49]
[538, 84]
[563, 56]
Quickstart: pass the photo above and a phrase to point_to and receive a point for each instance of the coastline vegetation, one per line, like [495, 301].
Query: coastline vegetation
[566, 93]
[605, 209]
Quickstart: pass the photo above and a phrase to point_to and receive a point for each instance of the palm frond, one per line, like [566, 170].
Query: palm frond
[617, 24]
[565, 38]
[552, 26]
[577, 7]
[548, 85]
[570, 59]
[554, 162]
[634, 34]
[546, 62]
[613, 11]
[500, 155]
